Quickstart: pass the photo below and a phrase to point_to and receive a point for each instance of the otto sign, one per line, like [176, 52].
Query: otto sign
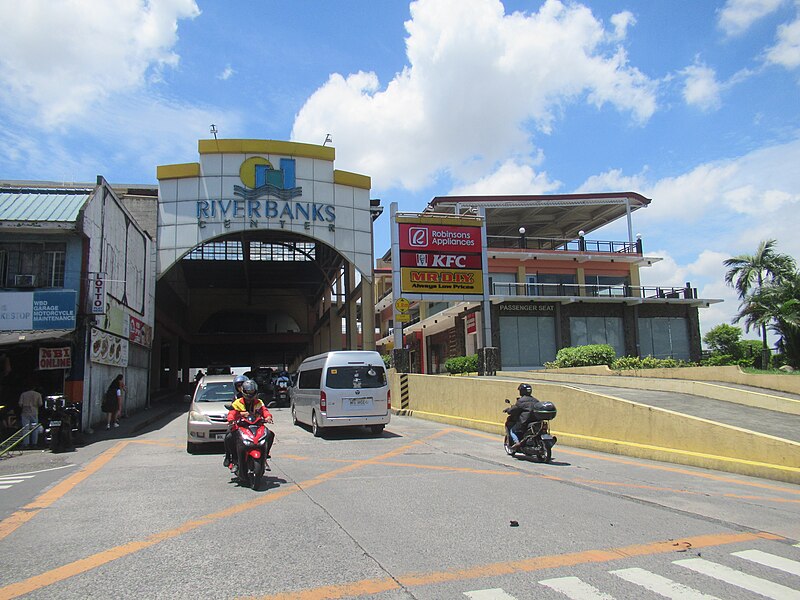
[97, 295]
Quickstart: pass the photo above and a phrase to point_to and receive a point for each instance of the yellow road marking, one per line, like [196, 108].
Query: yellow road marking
[98, 559]
[625, 461]
[373, 586]
[27, 512]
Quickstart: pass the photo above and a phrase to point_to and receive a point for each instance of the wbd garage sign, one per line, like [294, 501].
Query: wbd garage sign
[440, 255]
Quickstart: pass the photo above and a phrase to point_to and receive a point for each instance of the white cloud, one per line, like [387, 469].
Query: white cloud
[510, 178]
[612, 181]
[701, 87]
[737, 16]
[787, 51]
[477, 79]
[60, 59]
[715, 211]
[621, 21]
[227, 73]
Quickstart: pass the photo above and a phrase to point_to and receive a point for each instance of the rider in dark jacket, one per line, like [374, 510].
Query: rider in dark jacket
[522, 411]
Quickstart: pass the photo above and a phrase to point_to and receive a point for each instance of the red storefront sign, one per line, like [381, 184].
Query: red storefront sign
[55, 358]
[440, 238]
[423, 260]
[471, 323]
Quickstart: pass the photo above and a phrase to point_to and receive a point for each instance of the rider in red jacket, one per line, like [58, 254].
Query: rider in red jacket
[249, 402]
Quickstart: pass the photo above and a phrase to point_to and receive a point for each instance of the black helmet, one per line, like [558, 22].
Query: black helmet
[525, 389]
[249, 389]
[239, 380]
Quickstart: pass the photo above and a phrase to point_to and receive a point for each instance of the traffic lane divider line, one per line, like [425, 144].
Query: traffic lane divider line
[626, 461]
[367, 587]
[46, 499]
[31, 584]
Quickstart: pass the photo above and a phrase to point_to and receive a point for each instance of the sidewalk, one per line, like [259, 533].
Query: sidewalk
[36, 459]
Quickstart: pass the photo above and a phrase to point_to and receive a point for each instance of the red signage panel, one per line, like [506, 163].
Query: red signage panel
[440, 261]
[440, 238]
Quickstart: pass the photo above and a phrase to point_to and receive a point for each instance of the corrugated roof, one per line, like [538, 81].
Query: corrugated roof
[39, 204]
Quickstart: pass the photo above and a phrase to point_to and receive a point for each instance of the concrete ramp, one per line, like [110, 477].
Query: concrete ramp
[602, 422]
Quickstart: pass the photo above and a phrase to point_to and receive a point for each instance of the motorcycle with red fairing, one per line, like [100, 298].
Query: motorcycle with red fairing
[250, 459]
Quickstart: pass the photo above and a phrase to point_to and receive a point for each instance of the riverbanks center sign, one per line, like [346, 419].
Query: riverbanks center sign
[247, 185]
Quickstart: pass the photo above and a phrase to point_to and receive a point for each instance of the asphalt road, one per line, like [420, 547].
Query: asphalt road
[425, 511]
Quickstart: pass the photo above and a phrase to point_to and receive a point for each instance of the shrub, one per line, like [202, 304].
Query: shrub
[387, 360]
[648, 362]
[584, 356]
[462, 364]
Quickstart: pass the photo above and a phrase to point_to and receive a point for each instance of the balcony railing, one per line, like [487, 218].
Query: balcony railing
[563, 245]
[592, 290]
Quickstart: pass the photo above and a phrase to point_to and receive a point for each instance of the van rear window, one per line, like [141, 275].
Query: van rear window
[363, 376]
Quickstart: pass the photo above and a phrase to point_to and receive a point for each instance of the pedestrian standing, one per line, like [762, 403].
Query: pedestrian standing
[30, 402]
[112, 402]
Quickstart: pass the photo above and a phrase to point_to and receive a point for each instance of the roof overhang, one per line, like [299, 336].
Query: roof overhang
[556, 215]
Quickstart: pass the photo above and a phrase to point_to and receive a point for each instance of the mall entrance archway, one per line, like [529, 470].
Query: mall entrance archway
[264, 257]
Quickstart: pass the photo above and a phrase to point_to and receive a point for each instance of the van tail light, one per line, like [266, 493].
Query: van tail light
[323, 401]
[389, 400]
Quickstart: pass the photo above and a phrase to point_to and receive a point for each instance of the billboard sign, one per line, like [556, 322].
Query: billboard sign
[441, 255]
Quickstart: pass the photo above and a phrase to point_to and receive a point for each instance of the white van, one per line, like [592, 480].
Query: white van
[341, 388]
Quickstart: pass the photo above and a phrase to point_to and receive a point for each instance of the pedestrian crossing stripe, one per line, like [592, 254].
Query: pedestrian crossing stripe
[575, 588]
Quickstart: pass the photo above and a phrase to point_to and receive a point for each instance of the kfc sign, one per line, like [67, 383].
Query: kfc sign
[440, 261]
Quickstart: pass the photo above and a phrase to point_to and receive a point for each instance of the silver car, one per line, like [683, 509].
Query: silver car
[207, 422]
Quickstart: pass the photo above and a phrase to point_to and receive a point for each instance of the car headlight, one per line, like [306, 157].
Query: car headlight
[198, 417]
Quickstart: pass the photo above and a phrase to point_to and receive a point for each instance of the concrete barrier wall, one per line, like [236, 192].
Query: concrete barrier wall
[600, 422]
[715, 391]
[732, 374]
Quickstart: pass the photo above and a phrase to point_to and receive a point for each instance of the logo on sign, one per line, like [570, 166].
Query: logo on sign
[422, 260]
[418, 236]
[449, 261]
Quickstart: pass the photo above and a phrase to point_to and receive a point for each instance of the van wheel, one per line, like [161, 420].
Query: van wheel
[376, 429]
[294, 415]
[315, 428]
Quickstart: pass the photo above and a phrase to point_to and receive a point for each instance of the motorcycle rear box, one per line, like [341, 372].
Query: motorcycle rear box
[544, 411]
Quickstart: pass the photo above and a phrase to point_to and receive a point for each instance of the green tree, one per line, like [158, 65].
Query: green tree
[723, 339]
[776, 305]
[747, 274]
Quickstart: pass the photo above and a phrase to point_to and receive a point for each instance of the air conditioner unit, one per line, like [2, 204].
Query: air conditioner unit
[24, 281]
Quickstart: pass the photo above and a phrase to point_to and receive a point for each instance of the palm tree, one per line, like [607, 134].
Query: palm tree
[777, 306]
[748, 273]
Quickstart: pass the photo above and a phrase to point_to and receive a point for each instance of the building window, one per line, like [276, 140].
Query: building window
[551, 284]
[606, 285]
[503, 284]
[32, 264]
[3, 268]
[54, 268]
[664, 337]
[598, 330]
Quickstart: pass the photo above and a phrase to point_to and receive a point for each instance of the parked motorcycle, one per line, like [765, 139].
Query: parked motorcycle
[537, 441]
[62, 423]
[251, 448]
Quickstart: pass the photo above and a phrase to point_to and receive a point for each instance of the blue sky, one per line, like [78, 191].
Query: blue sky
[693, 103]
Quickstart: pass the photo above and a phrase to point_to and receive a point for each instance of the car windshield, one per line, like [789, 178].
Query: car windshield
[215, 392]
[363, 376]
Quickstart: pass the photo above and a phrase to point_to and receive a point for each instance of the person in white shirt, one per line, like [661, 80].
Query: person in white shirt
[30, 401]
